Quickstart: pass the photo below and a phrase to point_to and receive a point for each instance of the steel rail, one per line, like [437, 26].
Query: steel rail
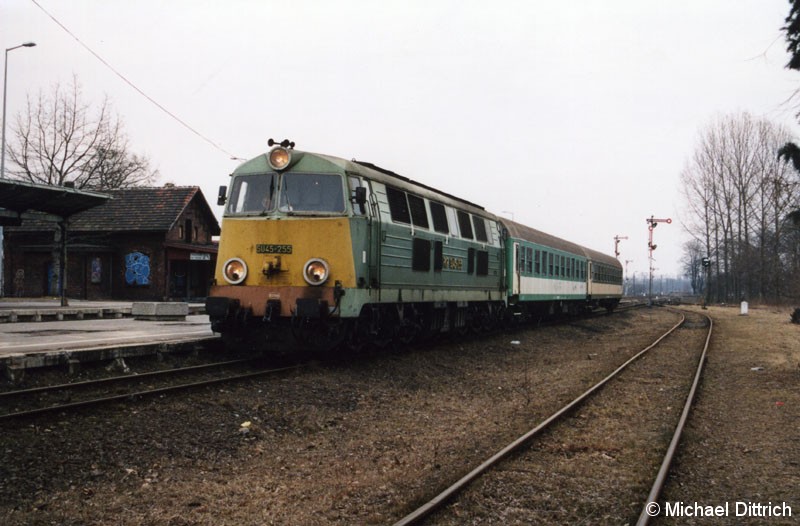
[115, 379]
[160, 390]
[441, 498]
[661, 478]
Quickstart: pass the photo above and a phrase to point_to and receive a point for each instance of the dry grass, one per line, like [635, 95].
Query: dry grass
[743, 442]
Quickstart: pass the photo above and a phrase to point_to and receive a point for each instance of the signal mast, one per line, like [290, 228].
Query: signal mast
[652, 224]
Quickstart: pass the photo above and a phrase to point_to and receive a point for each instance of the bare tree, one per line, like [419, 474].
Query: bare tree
[693, 264]
[738, 195]
[61, 139]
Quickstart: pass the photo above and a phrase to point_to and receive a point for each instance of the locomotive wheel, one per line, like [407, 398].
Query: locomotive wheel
[320, 335]
[407, 331]
[358, 335]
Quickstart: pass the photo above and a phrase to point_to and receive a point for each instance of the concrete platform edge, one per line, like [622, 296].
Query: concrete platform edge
[23, 361]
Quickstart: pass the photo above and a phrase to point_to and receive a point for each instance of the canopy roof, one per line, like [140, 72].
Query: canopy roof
[18, 198]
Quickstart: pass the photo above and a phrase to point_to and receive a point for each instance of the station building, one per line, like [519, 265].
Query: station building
[143, 244]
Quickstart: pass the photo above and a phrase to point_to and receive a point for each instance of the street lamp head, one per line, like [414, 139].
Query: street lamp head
[29, 44]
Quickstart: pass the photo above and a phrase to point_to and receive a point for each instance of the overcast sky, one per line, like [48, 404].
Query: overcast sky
[576, 118]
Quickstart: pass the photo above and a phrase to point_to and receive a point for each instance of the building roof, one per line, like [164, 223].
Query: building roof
[18, 198]
[150, 209]
[139, 209]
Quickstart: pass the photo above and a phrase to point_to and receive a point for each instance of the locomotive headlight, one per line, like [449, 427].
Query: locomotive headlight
[316, 271]
[235, 270]
[279, 158]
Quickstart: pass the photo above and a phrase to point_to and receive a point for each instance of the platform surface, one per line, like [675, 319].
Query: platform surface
[39, 332]
[29, 337]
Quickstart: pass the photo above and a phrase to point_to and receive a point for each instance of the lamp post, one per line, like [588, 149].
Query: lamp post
[5, 86]
[3, 154]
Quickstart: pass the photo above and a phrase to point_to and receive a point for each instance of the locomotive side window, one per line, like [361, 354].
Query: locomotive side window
[421, 254]
[312, 193]
[464, 224]
[398, 206]
[482, 263]
[253, 194]
[439, 218]
[419, 216]
[480, 229]
[355, 183]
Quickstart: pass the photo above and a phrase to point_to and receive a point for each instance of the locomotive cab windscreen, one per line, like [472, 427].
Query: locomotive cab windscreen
[288, 193]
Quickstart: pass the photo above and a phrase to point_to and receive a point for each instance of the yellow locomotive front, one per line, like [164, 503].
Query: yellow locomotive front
[286, 253]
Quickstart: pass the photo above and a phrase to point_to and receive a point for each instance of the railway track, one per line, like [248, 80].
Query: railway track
[518, 462]
[69, 396]
[64, 397]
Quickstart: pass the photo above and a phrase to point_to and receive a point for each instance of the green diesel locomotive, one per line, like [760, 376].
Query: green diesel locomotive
[317, 252]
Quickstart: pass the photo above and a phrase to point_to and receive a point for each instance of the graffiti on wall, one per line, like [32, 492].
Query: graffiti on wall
[137, 269]
[97, 270]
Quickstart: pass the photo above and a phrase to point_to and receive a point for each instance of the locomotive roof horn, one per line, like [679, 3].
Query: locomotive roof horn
[286, 143]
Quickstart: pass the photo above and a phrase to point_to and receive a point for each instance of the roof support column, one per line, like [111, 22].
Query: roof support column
[63, 264]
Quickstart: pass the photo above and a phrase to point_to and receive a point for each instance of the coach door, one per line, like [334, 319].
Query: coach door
[515, 274]
[589, 282]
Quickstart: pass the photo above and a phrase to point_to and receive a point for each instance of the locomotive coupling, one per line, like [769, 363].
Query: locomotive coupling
[272, 267]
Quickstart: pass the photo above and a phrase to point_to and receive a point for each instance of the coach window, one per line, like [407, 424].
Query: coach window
[550, 264]
[529, 260]
[537, 268]
[464, 224]
[419, 215]
[398, 206]
[439, 217]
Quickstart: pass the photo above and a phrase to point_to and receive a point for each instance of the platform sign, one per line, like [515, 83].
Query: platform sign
[195, 256]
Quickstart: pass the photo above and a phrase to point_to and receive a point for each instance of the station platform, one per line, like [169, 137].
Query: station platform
[89, 331]
[49, 309]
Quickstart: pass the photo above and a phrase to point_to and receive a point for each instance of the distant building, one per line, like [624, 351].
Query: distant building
[144, 244]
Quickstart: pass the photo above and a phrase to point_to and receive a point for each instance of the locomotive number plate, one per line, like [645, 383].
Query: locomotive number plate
[273, 249]
[452, 263]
